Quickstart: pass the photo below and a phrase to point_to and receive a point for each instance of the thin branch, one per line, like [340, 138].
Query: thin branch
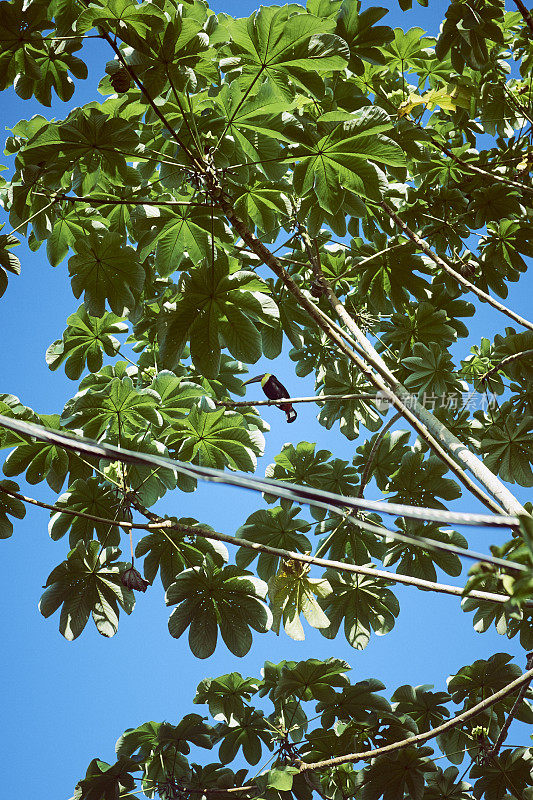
[512, 713]
[162, 525]
[306, 495]
[155, 108]
[40, 211]
[505, 361]
[315, 399]
[424, 246]
[423, 737]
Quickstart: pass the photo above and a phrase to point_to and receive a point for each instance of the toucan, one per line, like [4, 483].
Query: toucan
[275, 390]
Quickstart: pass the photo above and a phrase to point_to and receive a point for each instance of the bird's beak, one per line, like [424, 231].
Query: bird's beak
[257, 379]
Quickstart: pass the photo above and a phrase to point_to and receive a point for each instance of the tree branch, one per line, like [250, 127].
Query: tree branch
[525, 14]
[512, 713]
[315, 399]
[507, 360]
[158, 523]
[423, 737]
[300, 494]
[483, 296]
[422, 422]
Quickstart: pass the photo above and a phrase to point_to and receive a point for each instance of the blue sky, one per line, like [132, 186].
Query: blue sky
[68, 702]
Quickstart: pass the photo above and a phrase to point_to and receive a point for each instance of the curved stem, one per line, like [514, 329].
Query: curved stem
[507, 360]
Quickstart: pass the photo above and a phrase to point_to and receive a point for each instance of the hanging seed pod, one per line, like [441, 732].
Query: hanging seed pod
[120, 80]
[133, 579]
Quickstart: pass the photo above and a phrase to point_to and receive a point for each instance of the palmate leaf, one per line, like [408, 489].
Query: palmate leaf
[388, 279]
[386, 459]
[177, 395]
[90, 138]
[345, 540]
[505, 443]
[9, 505]
[8, 261]
[148, 483]
[211, 597]
[344, 158]
[425, 707]
[280, 46]
[226, 696]
[84, 341]
[153, 738]
[216, 439]
[391, 776]
[363, 37]
[343, 379]
[419, 562]
[54, 60]
[119, 410]
[421, 482]
[250, 733]
[312, 679]
[511, 768]
[357, 702]
[301, 464]
[172, 551]
[123, 17]
[91, 497]
[292, 593]
[41, 460]
[103, 269]
[217, 306]
[442, 784]
[21, 31]
[185, 231]
[261, 205]
[275, 527]
[87, 582]
[107, 782]
[363, 602]
[69, 225]
[430, 371]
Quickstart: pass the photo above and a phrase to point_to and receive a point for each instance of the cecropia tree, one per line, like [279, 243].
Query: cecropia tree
[305, 182]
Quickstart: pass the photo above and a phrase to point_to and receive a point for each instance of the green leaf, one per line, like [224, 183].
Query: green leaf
[170, 551]
[216, 439]
[211, 597]
[274, 527]
[403, 771]
[89, 497]
[226, 695]
[87, 582]
[292, 593]
[8, 261]
[84, 342]
[281, 779]
[119, 409]
[363, 602]
[105, 270]
[280, 46]
[41, 460]
[9, 505]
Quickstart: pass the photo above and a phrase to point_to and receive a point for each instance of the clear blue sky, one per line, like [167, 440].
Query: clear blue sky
[65, 703]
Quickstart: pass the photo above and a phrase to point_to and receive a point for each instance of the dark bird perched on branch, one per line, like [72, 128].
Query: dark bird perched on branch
[275, 390]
